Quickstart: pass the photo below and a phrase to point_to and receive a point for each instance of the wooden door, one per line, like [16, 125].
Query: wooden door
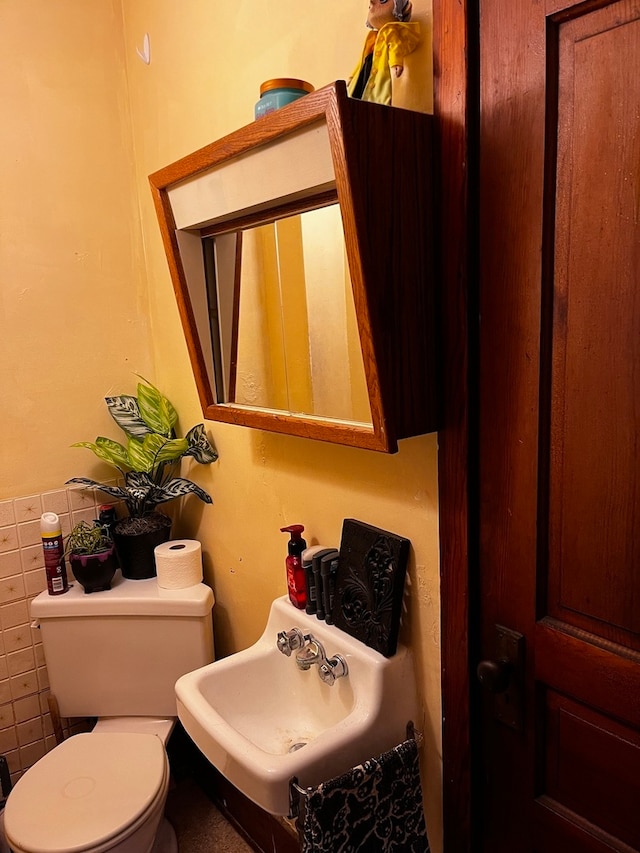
[559, 418]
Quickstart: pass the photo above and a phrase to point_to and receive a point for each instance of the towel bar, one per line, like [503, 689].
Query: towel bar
[296, 790]
[413, 733]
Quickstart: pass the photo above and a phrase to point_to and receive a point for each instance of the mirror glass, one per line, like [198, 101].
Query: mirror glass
[282, 332]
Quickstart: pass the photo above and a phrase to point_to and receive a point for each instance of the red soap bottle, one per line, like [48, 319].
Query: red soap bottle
[295, 572]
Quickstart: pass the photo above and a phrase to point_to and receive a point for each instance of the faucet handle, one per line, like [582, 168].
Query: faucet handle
[289, 641]
[332, 668]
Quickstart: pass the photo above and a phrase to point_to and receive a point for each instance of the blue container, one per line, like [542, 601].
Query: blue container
[279, 92]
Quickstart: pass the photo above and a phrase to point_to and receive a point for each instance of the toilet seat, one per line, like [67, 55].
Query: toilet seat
[90, 793]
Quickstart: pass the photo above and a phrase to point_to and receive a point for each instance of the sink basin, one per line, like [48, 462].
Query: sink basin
[261, 720]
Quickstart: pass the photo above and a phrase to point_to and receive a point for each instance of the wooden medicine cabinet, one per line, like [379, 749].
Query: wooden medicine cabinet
[301, 253]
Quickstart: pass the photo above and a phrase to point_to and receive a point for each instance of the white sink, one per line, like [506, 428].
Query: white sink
[261, 720]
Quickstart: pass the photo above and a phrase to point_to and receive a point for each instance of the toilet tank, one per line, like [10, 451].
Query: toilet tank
[120, 652]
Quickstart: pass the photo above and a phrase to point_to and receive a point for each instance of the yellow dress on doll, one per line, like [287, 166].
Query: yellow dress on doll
[383, 50]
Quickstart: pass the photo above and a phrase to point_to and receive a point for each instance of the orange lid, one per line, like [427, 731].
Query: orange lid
[285, 83]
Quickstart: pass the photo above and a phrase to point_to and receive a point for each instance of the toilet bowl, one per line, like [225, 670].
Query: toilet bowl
[114, 655]
[100, 791]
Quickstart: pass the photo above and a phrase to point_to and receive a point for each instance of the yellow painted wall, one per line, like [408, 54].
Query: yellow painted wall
[207, 62]
[81, 256]
[73, 297]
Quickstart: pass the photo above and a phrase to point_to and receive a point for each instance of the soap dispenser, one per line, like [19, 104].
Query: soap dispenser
[295, 572]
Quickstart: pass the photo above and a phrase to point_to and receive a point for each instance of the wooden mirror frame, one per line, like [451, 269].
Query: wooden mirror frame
[382, 161]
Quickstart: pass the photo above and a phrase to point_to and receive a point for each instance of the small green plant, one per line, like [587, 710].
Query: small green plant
[146, 462]
[87, 539]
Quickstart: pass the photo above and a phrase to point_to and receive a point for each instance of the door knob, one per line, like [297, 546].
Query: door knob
[495, 675]
[503, 676]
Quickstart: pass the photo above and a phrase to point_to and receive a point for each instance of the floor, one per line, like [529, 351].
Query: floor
[199, 826]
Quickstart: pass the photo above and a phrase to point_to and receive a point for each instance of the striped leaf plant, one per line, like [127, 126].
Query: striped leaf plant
[147, 461]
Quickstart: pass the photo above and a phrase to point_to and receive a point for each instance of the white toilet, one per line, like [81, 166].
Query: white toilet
[115, 655]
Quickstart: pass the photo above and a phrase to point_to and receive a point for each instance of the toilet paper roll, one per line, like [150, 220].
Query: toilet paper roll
[178, 563]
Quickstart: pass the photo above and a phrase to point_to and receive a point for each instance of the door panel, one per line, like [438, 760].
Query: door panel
[559, 461]
[568, 659]
[594, 549]
[583, 745]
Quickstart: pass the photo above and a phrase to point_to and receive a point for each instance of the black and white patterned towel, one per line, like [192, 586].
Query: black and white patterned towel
[375, 807]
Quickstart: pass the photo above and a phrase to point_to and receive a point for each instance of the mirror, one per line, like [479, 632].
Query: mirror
[300, 250]
[282, 326]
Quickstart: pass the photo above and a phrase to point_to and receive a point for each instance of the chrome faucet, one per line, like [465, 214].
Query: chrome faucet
[310, 651]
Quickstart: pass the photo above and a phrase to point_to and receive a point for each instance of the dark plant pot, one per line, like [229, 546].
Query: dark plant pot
[94, 572]
[135, 540]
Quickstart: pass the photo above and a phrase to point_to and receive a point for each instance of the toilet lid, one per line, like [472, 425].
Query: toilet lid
[88, 789]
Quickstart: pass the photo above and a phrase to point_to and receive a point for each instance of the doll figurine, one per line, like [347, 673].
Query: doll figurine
[392, 38]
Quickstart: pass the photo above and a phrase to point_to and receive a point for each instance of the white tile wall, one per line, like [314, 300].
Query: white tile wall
[26, 729]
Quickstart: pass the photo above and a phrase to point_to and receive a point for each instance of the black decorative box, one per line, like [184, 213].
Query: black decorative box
[370, 585]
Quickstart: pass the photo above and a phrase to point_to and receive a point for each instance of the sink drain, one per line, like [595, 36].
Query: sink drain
[296, 746]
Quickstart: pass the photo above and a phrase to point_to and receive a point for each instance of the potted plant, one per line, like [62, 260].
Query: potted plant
[92, 556]
[146, 464]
